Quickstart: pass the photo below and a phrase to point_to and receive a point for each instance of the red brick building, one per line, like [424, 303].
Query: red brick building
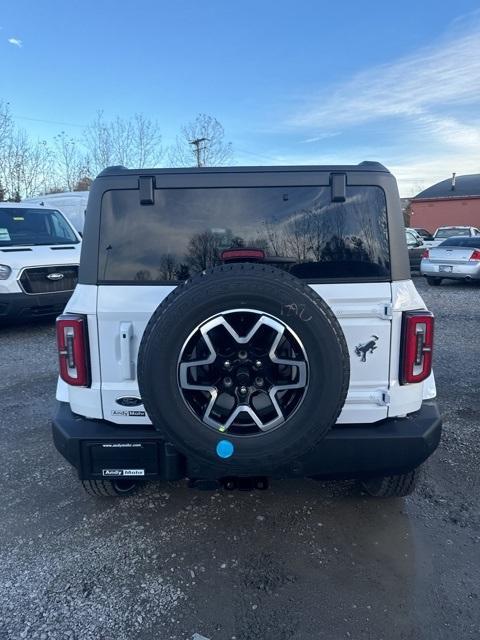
[452, 202]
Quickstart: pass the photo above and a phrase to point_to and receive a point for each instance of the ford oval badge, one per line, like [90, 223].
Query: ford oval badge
[55, 276]
[129, 401]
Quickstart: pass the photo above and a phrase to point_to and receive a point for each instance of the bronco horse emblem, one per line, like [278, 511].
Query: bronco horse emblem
[361, 350]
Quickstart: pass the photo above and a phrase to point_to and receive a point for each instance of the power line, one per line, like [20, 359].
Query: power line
[65, 124]
[256, 155]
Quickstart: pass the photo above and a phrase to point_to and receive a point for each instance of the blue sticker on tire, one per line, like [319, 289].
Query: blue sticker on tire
[224, 449]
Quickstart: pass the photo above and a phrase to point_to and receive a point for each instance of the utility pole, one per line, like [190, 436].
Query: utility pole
[196, 143]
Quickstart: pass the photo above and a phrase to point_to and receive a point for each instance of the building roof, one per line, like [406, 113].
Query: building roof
[465, 186]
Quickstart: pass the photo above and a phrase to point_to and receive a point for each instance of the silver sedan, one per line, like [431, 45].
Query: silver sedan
[456, 258]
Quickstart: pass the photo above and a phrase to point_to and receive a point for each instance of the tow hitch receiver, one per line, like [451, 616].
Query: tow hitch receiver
[230, 484]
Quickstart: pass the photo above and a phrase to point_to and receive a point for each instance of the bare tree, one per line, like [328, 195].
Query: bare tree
[70, 162]
[167, 267]
[203, 250]
[6, 124]
[25, 165]
[133, 142]
[29, 167]
[201, 142]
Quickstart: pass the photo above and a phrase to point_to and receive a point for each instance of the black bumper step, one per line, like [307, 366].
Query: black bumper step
[98, 449]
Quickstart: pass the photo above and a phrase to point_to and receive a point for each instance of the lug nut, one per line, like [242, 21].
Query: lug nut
[259, 382]
[243, 390]
[227, 382]
[227, 364]
[258, 364]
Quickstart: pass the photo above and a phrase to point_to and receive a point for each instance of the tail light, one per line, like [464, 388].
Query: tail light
[417, 346]
[475, 255]
[73, 353]
[242, 254]
[426, 254]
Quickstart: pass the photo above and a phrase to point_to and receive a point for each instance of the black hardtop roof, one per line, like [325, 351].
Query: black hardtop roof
[362, 166]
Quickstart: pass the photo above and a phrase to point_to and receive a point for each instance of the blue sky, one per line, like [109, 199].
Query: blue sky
[295, 82]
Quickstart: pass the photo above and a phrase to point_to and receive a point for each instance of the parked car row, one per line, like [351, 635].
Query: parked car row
[449, 253]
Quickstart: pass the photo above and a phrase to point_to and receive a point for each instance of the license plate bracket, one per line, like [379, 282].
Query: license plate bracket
[445, 268]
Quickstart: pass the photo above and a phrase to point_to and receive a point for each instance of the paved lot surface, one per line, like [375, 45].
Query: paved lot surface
[304, 560]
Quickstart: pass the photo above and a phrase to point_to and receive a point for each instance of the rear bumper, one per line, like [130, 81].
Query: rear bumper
[459, 271]
[19, 306]
[99, 449]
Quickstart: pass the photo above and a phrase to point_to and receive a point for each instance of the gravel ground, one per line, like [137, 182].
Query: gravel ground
[303, 560]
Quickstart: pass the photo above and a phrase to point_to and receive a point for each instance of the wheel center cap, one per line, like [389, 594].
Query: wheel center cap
[243, 376]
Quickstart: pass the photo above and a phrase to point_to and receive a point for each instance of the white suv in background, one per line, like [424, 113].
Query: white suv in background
[234, 324]
[39, 257]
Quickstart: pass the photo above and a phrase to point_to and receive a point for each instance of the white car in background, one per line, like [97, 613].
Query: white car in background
[39, 258]
[442, 233]
[456, 258]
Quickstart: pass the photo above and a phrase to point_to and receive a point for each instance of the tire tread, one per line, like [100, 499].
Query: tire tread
[105, 489]
[397, 486]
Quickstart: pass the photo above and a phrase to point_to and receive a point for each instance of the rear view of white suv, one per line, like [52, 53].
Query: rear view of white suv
[235, 324]
[39, 257]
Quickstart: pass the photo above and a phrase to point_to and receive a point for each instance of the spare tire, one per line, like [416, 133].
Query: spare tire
[243, 366]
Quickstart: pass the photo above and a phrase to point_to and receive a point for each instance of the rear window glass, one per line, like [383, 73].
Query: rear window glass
[461, 242]
[21, 226]
[298, 228]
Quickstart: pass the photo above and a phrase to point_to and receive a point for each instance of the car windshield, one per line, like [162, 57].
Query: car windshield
[462, 241]
[448, 233]
[19, 226]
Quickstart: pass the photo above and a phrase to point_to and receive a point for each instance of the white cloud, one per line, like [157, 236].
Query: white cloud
[425, 105]
[446, 74]
[414, 172]
[321, 136]
[15, 41]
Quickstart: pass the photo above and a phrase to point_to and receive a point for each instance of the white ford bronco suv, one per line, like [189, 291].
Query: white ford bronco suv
[39, 257]
[236, 324]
